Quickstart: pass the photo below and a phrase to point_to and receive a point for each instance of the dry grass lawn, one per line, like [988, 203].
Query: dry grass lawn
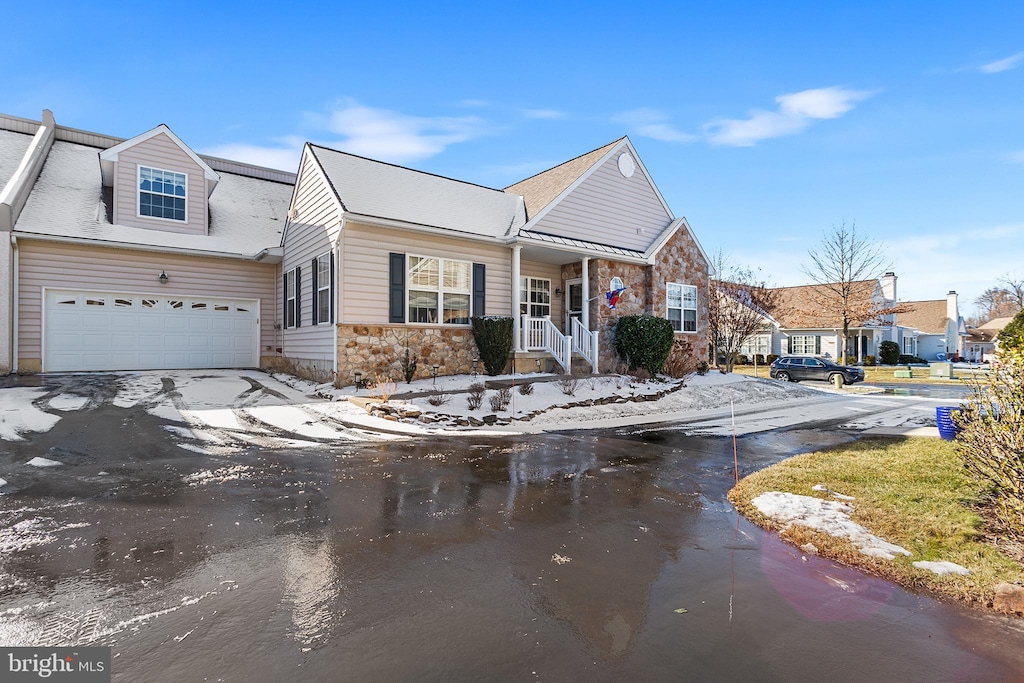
[912, 492]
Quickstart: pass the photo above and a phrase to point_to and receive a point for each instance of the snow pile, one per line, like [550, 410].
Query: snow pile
[68, 402]
[825, 515]
[18, 415]
[44, 462]
[942, 568]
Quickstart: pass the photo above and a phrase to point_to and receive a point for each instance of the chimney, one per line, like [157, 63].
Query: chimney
[952, 310]
[888, 283]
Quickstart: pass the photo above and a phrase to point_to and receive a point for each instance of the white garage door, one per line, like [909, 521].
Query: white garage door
[104, 331]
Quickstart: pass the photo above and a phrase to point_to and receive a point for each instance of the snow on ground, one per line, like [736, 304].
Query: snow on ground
[825, 515]
[3, 482]
[18, 415]
[68, 402]
[942, 568]
[43, 462]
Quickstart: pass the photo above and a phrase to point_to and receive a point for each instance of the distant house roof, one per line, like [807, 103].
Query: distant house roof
[68, 201]
[995, 325]
[800, 307]
[383, 190]
[541, 189]
[12, 149]
[925, 316]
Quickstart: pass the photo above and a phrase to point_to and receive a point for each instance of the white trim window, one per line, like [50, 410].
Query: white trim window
[289, 299]
[439, 284]
[681, 306]
[758, 344]
[163, 194]
[323, 289]
[805, 344]
[908, 346]
[535, 297]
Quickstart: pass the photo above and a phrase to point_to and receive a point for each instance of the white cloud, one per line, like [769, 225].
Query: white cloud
[543, 114]
[654, 124]
[392, 136]
[795, 113]
[1011, 62]
[284, 157]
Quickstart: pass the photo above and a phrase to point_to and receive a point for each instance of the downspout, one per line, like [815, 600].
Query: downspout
[14, 289]
[517, 323]
[337, 307]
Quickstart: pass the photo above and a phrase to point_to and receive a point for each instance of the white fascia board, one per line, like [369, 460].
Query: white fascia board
[133, 246]
[379, 221]
[109, 156]
[579, 251]
[579, 181]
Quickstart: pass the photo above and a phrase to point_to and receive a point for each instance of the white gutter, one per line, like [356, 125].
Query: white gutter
[433, 230]
[16, 297]
[137, 247]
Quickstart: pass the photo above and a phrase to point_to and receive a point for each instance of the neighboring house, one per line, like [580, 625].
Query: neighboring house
[804, 325]
[410, 257]
[935, 329]
[135, 254]
[142, 254]
[981, 342]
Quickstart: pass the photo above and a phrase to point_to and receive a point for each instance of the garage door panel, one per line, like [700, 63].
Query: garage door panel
[105, 331]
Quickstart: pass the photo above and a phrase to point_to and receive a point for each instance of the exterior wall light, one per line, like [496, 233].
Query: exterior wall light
[163, 277]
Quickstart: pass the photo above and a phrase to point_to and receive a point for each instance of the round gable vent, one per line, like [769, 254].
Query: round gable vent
[626, 165]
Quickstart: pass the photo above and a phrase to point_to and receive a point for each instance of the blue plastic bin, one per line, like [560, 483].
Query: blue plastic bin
[948, 429]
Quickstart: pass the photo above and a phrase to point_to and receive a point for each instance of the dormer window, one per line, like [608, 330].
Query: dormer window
[162, 194]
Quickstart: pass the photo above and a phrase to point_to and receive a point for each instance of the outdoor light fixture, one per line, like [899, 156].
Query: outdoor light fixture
[359, 379]
[476, 366]
[435, 367]
[163, 278]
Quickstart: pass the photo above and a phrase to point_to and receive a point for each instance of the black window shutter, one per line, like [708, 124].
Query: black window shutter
[298, 296]
[817, 344]
[333, 287]
[479, 289]
[284, 300]
[789, 344]
[316, 304]
[396, 309]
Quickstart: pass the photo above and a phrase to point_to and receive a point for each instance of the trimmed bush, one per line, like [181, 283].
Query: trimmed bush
[644, 341]
[1012, 336]
[869, 360]
[889, 352]
[772, 357]
[742, 359]
[493, 337]
[759, 358]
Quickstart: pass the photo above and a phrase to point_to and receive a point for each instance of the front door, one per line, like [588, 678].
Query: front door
[573, 302]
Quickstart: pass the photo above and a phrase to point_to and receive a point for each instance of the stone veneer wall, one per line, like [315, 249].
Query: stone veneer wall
[380, 349]
[678, 261]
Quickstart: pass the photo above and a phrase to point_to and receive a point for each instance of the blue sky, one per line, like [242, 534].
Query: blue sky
[763, 125]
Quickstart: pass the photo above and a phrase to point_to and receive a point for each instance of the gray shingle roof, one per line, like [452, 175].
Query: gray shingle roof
[375, 188]
[246, 214]
[12, 149]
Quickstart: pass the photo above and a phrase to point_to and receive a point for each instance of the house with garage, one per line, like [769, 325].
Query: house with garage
[381, 259]
[135, 254]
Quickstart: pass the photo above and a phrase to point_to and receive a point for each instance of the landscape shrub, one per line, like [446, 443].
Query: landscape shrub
[475, 399]
[869, 360]
[889, 352]
[500, 399]
[703, 368]
[772, 357]
[742, 359]
[991, 441]
[906, 359]
[526, 389]
[409, 367]
[759, 358]
[493, 337]
[681, 361]
[644, 341]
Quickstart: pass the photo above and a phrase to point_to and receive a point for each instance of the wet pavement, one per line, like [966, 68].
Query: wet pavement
[549, 557]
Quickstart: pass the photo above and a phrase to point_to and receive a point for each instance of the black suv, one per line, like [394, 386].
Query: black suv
[796, 368]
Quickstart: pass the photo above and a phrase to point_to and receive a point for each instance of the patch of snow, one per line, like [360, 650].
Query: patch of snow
[194, 448]
[825, 489]
[294, 419]
[825, 515]
[3, 482]
[18, 415]
[218, 476]
[68, 402]
[942, 568]
[166, 410]
[43, 462]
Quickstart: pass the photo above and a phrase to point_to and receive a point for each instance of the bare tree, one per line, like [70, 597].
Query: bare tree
[997, 302]
[740, 307]
[841, 268]
[1013, 285]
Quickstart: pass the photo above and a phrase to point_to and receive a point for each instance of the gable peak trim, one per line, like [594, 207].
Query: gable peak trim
[110, 155]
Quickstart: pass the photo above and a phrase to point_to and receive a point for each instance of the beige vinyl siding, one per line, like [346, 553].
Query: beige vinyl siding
[73, 266]
[311, 232]
[609, 209]
[364, 272]
[162, 153]
[551, 272]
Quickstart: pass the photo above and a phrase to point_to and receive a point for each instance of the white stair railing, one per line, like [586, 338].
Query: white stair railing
[540, 334]
[584, 342]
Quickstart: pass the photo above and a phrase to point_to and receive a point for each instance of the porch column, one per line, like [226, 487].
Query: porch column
[516, 322]
[860, 346]
[585, 273]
